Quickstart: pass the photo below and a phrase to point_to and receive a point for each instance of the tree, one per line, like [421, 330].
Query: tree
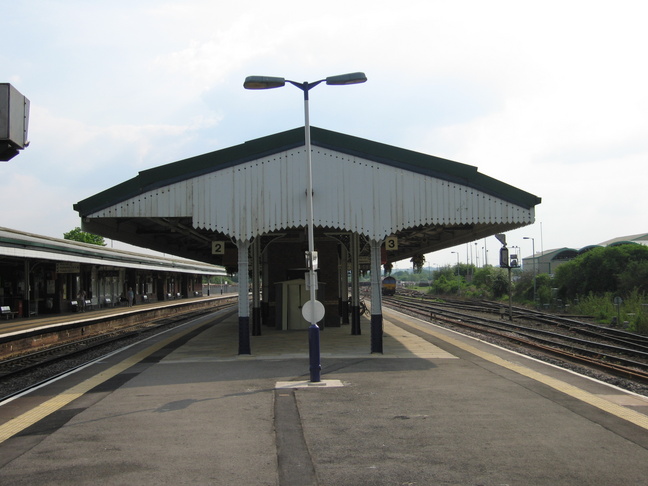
[634, 277]
[484, 277]
[610, 269]
[402, 275]
[500, 286]
[77, 235]
[445, 285]
[544, 284]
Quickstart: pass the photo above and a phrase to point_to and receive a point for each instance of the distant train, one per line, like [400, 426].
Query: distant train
[389, 286]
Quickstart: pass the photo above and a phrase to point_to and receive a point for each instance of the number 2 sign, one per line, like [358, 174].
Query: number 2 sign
[218, 247]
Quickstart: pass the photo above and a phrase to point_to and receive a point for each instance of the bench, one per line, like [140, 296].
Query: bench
[7, 313]
[88, 305]
[108, 302]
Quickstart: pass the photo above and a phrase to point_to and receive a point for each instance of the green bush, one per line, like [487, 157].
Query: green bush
[633, 310]
[641, 323]
[620, 268]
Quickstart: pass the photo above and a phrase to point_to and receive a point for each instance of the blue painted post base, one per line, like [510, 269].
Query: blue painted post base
[314, 353]
[244, 335]
[376, 333]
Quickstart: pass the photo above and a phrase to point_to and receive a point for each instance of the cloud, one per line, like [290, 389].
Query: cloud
[550, 98]
[36, 205]
[88, 147]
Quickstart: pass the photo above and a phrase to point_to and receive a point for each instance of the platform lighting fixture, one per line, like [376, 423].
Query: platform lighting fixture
[268, 82]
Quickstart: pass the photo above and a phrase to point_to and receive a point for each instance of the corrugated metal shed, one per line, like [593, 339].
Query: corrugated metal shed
[259, 188]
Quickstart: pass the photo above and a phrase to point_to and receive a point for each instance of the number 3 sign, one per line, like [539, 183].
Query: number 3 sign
[391, 243]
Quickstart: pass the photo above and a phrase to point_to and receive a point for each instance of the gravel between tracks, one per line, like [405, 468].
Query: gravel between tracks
[624, 384]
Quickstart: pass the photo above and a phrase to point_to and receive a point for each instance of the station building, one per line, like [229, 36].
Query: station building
[245, 208]
[41, 275]
[547, 261]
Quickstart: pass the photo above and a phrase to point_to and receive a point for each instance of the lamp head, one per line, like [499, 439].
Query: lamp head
[342, 79]
[263, 82]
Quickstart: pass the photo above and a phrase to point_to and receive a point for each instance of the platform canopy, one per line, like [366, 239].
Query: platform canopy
[258, 188]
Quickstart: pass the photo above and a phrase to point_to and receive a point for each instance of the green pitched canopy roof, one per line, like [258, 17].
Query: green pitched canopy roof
[378, 152]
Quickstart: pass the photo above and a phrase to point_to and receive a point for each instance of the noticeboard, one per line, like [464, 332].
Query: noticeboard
[68, 267]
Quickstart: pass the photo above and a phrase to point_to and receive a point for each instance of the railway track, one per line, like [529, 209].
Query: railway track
[613, 351]
[28, 370]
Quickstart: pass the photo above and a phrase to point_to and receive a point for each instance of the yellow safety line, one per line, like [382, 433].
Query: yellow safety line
[601, 403]
[20, 423]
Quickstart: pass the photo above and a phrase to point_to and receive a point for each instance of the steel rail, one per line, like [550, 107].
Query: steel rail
[571, 351]
[53, 355]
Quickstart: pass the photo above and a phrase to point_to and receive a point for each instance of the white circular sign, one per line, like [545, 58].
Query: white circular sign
[307, 310]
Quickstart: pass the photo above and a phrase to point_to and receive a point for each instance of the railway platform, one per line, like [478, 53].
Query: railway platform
[436, 408]
[46, 322]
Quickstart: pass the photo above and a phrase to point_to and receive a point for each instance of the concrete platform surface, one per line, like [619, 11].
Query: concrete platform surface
[436, 408]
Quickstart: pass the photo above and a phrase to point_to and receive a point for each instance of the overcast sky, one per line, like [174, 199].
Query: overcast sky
[550, 97]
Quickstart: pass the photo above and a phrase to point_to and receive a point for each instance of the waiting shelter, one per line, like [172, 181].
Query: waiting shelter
[245, 207]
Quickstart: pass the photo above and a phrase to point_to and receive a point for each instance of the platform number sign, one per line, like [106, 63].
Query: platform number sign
[218, 247]
[391, 243]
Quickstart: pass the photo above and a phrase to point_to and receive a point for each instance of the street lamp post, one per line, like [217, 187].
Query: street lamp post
[266, 82]
[534, 266]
